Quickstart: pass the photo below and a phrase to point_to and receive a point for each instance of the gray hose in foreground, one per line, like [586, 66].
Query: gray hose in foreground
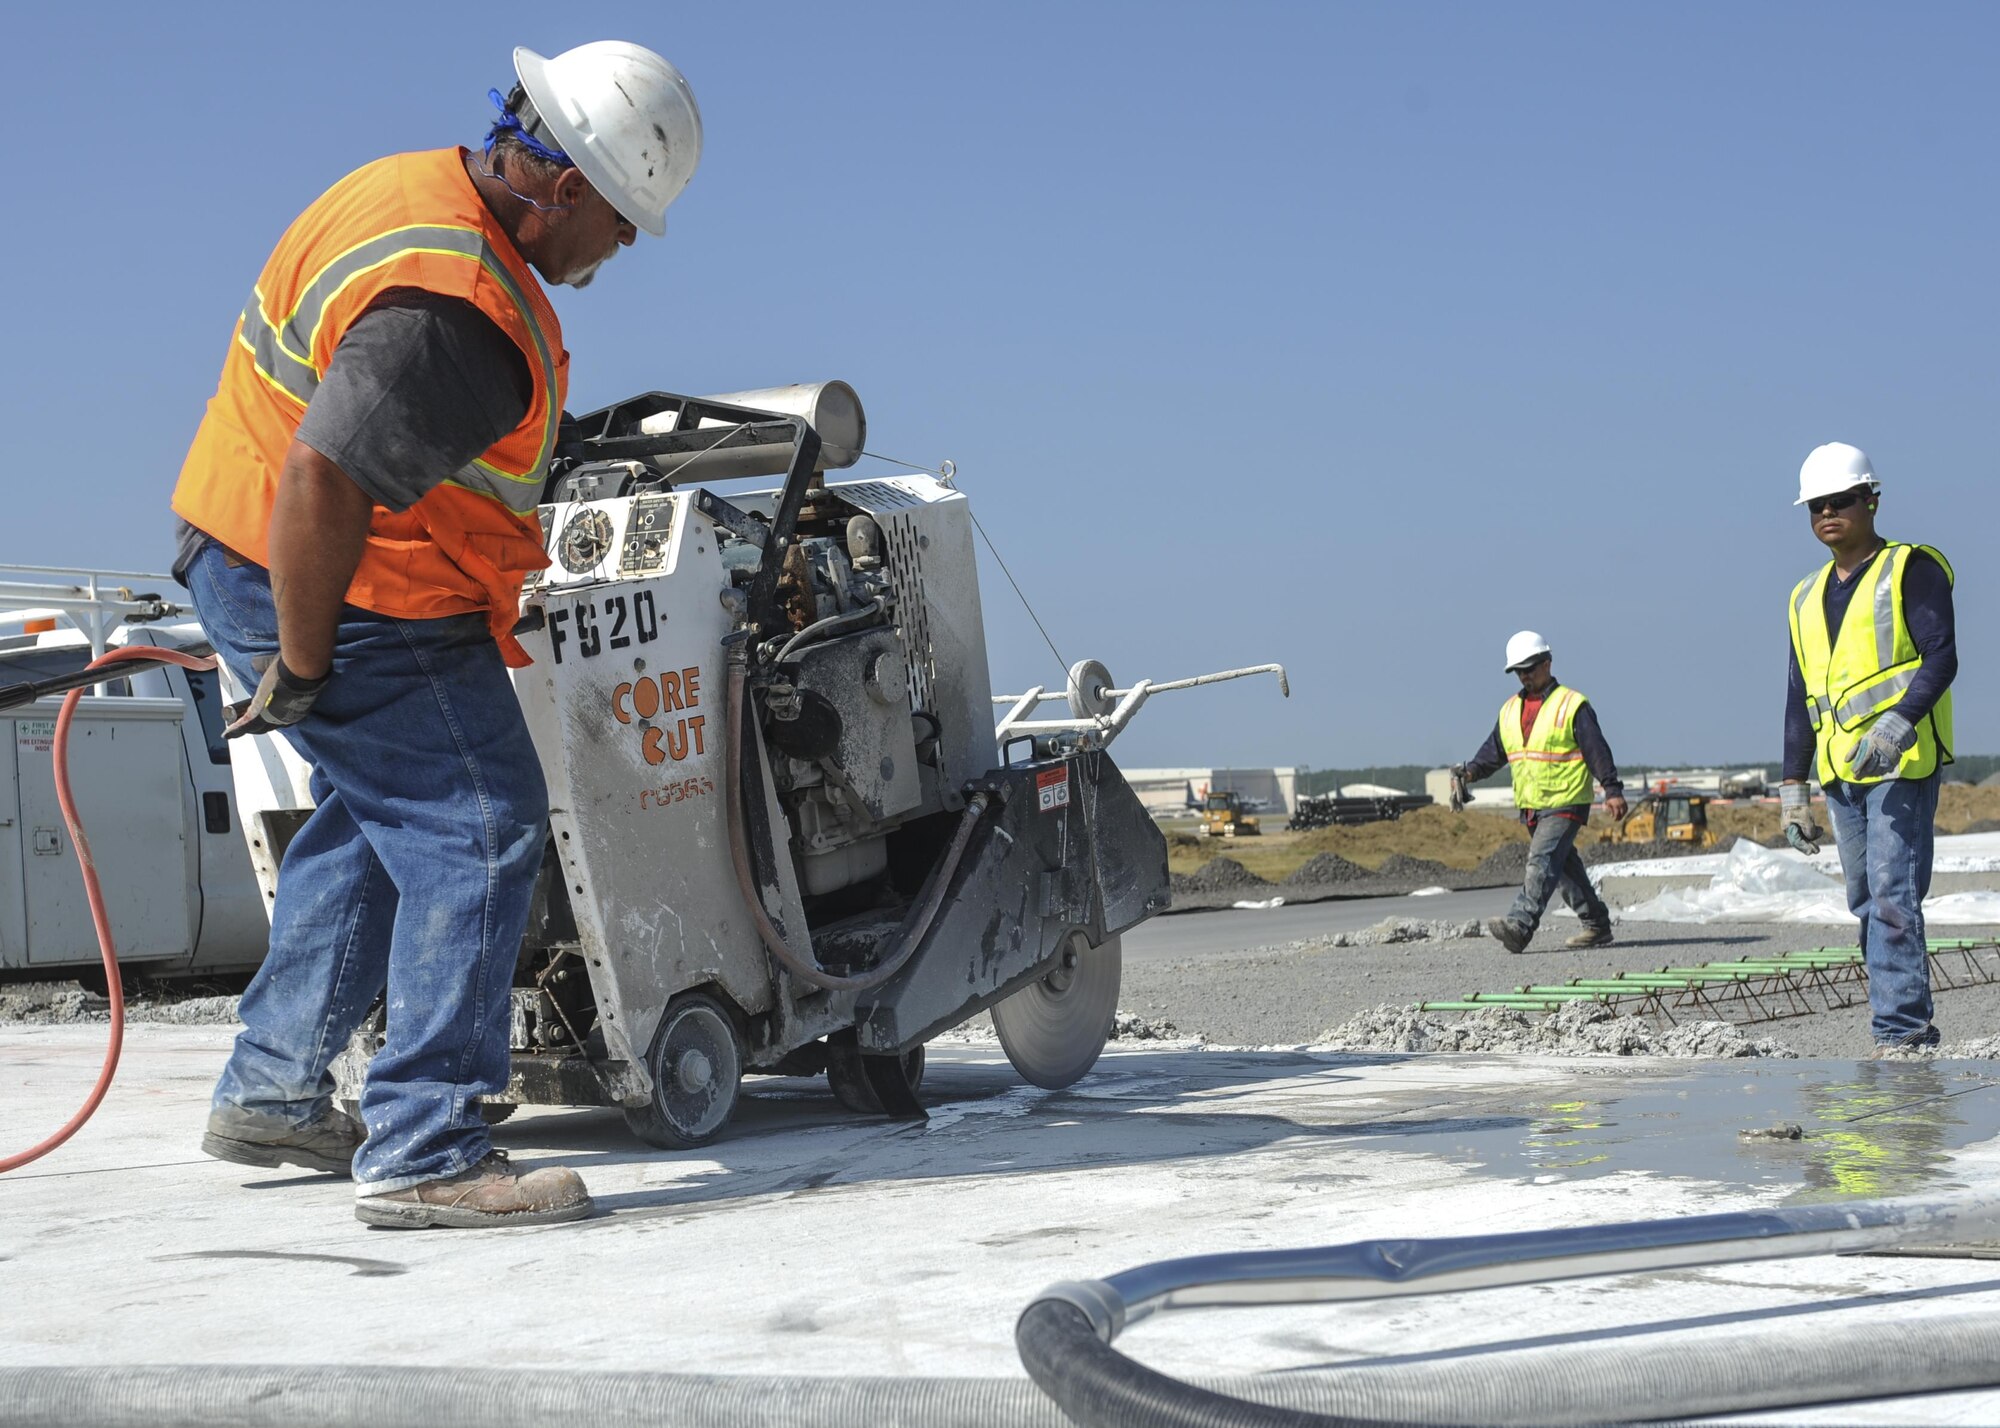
[1628, 1378]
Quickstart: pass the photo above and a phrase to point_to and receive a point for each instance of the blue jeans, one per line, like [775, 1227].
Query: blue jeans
[1553, 863]
[412, 876]
[1886, 840]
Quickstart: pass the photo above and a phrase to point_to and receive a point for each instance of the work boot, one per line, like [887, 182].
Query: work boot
[1507, 934]
[326, 1142]
[1591, 937]
[488, 1194]
[1917, 1046]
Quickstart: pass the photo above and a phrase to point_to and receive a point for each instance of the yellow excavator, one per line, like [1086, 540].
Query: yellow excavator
[1665, 814]
[1222, 816]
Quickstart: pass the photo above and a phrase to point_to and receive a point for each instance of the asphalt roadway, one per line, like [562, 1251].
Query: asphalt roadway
[1227, 931]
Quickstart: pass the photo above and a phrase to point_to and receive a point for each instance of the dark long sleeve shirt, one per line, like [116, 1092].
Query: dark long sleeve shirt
[1927, 609]
[1492, 757]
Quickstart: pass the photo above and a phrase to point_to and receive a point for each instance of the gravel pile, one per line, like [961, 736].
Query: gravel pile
[66, 1004]
[1509, 862]
[1222, 875]
[1400, 867]
[1324, 868]
[1578, 1029]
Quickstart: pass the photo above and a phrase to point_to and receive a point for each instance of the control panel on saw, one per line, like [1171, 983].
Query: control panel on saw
[605, 539]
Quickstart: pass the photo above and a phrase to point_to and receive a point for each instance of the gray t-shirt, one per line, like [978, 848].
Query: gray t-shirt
[419, 386]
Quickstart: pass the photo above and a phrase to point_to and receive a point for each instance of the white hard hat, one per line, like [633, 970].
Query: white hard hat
[625, 117]
[1525, 648]
[1834, 468]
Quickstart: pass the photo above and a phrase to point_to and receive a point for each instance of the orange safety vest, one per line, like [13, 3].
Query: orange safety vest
[408, 221]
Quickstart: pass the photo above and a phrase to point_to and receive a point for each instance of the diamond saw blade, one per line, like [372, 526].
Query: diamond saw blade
[1054, 1028]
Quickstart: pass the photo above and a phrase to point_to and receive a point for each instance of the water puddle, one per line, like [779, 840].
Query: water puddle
[1869, 1128]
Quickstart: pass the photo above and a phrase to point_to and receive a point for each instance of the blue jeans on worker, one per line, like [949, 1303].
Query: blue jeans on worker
[1553, 863]
[412, 877]
[1886, 841]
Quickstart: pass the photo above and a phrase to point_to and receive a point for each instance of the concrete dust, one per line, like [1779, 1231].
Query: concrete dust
[1982, 1048]
[1125, 1026]
[1386, 933]
[1130, 1026]
[1577, 1029]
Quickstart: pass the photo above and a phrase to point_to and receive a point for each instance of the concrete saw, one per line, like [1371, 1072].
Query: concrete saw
[1053, 1029]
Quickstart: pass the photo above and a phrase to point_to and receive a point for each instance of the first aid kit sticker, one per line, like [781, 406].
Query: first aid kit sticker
[1052, 788]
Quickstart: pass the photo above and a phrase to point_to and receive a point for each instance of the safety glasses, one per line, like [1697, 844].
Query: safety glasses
[1819, 504]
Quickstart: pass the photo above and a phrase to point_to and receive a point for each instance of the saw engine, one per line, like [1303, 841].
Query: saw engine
[783, 834]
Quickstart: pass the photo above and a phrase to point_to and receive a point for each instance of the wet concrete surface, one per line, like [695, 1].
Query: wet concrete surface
[1870, 1129]
[811, 1241]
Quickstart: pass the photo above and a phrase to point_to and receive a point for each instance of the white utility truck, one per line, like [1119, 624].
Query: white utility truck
[152, 780]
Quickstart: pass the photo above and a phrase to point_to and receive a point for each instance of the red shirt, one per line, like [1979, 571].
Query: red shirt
[1531, 706]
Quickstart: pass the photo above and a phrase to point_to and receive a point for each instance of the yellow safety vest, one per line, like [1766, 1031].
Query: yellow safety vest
[1853, 680]
[1547, 766]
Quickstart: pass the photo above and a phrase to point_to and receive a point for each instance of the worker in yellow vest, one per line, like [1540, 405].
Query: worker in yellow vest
[1868, 714]
[1548, 738]
[357, 518]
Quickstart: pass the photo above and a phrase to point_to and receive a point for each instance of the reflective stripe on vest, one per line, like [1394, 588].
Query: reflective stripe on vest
[1855, 676]
[282, 352]
[1547, 765]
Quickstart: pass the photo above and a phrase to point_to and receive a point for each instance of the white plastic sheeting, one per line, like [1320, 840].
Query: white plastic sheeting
[1756, 884]
[1957, 853]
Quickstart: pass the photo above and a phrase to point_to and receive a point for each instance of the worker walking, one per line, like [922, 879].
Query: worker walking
[1548, 738]
[359, 514]
[1868, 712]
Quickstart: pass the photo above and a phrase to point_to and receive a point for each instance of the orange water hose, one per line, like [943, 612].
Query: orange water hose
[112, 983]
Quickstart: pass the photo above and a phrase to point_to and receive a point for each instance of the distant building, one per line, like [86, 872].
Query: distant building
[1165, 791]
[1437, 783]
[1719, 783]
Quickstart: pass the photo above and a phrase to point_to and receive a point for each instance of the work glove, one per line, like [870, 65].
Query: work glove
[1795, 815]
[1889, 738]
[1461, 791]
[281, 700]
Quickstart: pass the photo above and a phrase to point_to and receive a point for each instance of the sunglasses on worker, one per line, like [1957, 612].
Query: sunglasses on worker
[1819, 504]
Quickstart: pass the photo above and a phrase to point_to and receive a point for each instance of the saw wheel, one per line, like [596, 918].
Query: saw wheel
[1053, 1029]
[697, 1067]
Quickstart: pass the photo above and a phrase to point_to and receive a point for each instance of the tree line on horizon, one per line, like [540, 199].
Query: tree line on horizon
[1967, 768]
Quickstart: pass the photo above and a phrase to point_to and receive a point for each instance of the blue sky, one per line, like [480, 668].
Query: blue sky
[1356, 336]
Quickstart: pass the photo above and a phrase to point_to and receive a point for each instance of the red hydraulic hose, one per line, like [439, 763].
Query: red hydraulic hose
[112, 984]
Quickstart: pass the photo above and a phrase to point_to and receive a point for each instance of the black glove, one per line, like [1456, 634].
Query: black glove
[1461, 793]
[281, 700]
